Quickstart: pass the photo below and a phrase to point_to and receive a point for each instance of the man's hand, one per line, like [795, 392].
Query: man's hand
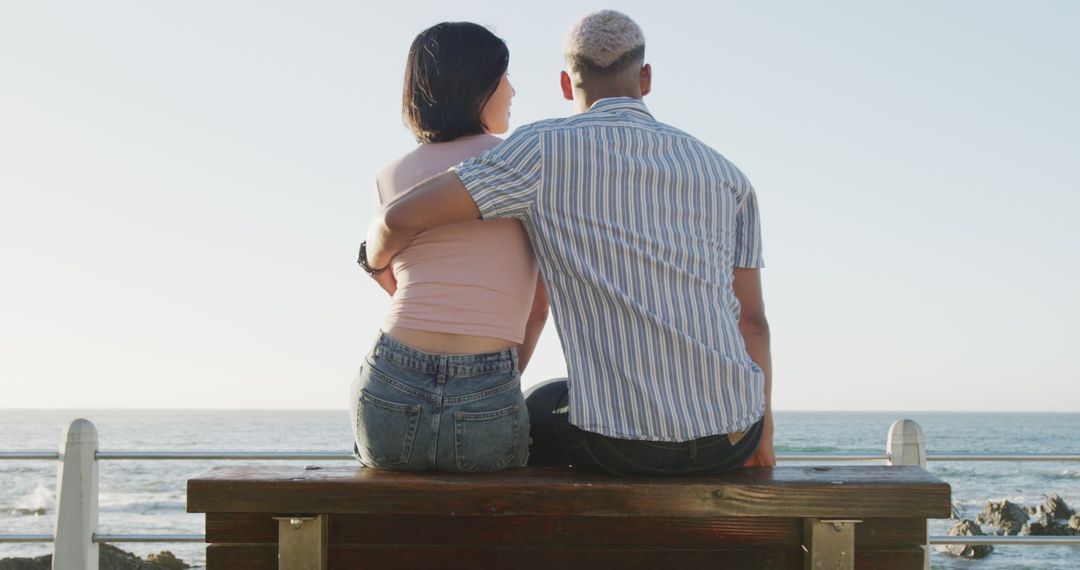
[765, 456]
[435, 202]
[387, 281]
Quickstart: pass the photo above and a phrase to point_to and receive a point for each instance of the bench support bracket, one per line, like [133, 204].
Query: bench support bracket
[302, 542]
[829, 544]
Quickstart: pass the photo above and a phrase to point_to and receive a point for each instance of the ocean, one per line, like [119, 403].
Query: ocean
[148, 496]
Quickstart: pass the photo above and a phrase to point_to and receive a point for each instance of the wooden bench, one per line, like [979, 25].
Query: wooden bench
[871, 517]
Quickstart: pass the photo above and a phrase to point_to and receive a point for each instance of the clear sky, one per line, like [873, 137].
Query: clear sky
[184, 186]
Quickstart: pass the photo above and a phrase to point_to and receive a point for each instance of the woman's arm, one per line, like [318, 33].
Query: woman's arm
[537, 317]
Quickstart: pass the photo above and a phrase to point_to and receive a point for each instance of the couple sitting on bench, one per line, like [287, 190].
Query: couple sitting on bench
[645, 241]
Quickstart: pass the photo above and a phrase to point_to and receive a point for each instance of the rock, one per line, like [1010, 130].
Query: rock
[1074, 524]
[109, 558]
[168, 560]
[1056, 508]
[39, 563]
[1008, 517]
[1044, 525]
[968, 527]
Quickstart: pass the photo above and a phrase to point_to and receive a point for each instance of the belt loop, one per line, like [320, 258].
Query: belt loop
[442, 367]
[514, 359]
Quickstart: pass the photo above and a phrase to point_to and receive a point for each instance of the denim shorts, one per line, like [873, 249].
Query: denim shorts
[416, 411]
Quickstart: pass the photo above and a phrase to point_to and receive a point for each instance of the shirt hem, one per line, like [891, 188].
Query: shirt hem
[731, 427]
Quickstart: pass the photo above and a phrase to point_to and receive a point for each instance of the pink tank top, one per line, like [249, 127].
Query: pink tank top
[476, 277]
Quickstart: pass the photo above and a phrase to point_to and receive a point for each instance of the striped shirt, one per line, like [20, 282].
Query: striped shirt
[637, 227]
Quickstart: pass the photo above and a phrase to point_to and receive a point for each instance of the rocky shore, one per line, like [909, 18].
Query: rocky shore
[1052, 518]
[110, 558]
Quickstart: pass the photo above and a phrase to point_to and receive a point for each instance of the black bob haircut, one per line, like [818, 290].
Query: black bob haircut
[452, 70]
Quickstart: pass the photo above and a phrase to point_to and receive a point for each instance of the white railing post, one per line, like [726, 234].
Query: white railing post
[77, 499]
[907, 446]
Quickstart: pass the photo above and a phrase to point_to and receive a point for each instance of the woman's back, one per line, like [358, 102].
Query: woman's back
[474, 278]
[441, 388]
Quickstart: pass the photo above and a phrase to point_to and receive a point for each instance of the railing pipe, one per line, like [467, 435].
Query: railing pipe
[1004, 457]
[346, 456]
[29, 455]
[26, 538]
[224, 455]
[834, 457]
[110, 538]
[1007, 540]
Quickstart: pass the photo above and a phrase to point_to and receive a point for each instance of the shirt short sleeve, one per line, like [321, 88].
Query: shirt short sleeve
[748, 233]
[504, 180]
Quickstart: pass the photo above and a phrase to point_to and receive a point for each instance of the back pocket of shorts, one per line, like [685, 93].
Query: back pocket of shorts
[486, 441]
[385, 431]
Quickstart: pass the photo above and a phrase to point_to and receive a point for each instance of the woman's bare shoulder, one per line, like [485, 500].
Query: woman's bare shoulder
[427, 160]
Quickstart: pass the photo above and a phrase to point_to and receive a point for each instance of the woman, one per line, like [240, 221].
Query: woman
[441, 388]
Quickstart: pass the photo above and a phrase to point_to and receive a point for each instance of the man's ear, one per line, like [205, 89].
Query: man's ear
[646, 79]
[567, 86]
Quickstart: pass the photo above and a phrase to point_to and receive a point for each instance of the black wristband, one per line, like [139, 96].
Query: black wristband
[362, 260]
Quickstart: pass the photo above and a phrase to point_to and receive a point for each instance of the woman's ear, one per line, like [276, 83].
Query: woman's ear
[567, 86]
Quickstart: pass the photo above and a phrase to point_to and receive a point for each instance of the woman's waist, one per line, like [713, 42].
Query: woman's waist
[436, 353]
[458, 320]
[447, 343]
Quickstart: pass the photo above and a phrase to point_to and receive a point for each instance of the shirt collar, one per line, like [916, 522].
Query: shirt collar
[621, 105]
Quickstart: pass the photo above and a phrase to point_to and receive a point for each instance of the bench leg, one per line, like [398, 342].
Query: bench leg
[829, 544]
[302, 543]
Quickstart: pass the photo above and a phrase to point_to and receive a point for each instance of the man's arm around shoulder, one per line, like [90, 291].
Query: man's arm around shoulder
[435, 202]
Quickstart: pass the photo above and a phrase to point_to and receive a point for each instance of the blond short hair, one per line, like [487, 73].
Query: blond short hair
[603, 42]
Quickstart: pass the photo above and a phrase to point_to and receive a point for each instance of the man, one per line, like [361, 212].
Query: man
[649, 245]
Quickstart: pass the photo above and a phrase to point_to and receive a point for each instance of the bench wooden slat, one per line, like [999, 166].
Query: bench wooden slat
[264, 557]
[883, 492]
[432, 530]
[364, 558]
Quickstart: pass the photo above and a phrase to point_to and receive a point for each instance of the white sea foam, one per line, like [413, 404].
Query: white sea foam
[37, 501]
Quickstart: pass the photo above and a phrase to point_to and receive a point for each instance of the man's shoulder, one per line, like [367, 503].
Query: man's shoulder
[703, 146]
[543, 125]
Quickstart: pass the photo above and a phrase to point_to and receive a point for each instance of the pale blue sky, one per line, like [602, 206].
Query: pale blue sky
[184, 186]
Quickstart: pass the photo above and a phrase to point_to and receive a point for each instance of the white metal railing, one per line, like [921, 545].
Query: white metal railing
[345, 456]
[75, 539]
[225, 455]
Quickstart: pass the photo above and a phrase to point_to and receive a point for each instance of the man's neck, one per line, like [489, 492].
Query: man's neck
[583, 100]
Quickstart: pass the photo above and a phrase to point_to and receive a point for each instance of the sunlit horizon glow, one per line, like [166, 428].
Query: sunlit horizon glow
[184, 187]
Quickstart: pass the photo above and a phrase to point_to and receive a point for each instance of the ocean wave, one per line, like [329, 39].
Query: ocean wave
[37, 501]
[1022, 500]
[141, 503]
